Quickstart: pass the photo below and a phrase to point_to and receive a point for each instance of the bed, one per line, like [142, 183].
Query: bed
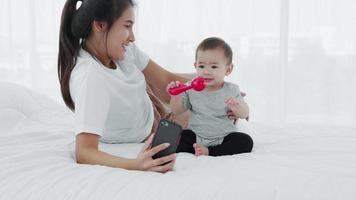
[290, 162]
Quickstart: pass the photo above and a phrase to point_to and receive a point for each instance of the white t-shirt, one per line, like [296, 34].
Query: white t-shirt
[112, 103]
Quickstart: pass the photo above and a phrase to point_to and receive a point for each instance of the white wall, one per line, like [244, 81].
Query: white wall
[296, 59]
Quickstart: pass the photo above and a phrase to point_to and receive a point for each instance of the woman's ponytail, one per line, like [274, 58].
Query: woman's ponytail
[69, 46]
[75, 28]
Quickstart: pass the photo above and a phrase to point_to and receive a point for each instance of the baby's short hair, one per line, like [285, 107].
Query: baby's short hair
[214, 43]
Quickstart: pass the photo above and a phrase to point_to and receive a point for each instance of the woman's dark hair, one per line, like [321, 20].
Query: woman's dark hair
[214, 43]
[75, 28]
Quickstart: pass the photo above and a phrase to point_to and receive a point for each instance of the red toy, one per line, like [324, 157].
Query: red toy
[197, 84]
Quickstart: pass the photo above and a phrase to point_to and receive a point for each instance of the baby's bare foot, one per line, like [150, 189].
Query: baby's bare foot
[200, 150]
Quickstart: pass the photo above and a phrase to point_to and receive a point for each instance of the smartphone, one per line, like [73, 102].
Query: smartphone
[167, 132]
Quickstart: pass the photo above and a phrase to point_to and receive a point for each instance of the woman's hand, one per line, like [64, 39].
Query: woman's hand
[145, 162]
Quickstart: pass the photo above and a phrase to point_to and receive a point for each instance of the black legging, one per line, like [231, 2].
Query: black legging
[234, 143]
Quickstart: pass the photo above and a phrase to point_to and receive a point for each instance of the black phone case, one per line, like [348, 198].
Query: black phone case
[167, 132]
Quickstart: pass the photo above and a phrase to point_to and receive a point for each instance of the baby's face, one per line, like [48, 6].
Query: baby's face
[212, 66]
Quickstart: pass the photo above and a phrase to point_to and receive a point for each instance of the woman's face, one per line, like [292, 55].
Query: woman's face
[121, 34]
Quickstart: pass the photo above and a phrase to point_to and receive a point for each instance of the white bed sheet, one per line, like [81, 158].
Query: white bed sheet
[36, 162]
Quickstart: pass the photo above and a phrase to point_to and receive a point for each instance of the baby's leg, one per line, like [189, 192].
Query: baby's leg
[234, 143]
[188, 138]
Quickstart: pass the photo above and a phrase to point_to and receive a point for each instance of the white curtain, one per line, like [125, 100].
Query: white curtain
[295, 59]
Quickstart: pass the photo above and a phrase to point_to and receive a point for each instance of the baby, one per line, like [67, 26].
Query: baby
[210, 131]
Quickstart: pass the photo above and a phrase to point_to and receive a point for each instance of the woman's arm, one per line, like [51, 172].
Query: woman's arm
[86, 151]
[158, 78]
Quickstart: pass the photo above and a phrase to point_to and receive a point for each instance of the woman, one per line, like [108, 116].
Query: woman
[102, 77]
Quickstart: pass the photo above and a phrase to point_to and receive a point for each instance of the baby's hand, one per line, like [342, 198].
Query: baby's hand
[233, 104]
[173, 84]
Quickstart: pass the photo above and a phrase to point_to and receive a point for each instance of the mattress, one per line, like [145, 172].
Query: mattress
[289, 162]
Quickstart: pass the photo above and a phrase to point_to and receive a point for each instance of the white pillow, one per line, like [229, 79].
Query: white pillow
[23, 109]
